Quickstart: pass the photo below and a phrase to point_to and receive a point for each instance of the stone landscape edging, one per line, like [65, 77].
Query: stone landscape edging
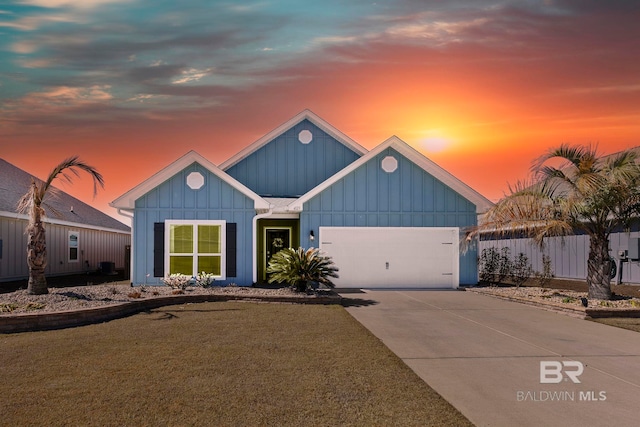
[32, 322]
[579, 312]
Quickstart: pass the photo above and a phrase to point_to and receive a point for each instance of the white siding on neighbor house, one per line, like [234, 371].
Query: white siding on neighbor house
[95, 246]
[569, 254]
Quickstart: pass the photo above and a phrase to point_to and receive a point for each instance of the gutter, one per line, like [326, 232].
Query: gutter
[128, 213]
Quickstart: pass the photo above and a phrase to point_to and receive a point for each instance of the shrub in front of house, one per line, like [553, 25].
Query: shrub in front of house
[302, 269]
[205, 280]
[177, 281]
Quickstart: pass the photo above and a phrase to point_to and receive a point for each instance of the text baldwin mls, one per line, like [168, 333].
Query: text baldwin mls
[555, 372]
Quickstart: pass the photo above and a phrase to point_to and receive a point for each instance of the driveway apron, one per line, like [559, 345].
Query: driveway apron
[484, 356]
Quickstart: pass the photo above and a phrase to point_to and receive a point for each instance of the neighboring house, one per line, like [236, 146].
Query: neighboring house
[79, 237]
[389, 217]
[569, 254]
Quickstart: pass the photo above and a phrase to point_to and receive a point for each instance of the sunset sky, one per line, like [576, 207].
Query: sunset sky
[480, 87]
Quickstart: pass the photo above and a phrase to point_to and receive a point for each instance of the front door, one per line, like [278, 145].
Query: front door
[275, 240]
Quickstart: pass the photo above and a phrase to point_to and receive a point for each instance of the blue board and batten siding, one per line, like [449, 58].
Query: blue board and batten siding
[285, 167]
[173, 199]
[335, 183]
[407, 197]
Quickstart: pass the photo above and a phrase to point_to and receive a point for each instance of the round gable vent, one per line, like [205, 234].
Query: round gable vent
[389, 164]
[195, 180]
[305, 136]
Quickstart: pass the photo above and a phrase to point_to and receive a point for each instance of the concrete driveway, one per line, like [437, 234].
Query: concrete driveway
[484, 356]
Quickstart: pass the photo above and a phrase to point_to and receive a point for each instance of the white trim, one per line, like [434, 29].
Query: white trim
[254, 242]
[77, 234]
[132, 253]
[481, 202]
[46, 219]
[306, 114]
[195, 223]
[128, 199]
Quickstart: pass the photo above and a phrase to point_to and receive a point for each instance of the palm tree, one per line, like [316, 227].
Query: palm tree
[32, 203]
[302, 269]
[586, 193]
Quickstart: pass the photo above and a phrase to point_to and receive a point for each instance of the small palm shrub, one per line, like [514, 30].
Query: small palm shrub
[302, 269]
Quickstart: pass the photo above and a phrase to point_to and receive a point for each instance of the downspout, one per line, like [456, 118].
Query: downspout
[129, 214]
[255, 241]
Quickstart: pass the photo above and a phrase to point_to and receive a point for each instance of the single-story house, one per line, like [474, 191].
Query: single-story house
[80, 238]
[389, 217]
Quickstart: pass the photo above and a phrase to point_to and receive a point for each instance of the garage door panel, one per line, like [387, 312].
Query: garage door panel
[408, 257]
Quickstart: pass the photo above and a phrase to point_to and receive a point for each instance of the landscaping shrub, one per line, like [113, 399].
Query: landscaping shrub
[177, 281]
[521, 270]
[504, 265]
[544, 277]
[302, 269]
[489, 264]
[205, 279]
[495, 266]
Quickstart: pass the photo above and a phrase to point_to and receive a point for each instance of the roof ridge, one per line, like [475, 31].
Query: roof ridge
[15, 182]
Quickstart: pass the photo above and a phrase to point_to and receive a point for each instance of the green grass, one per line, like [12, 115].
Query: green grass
[214, 364]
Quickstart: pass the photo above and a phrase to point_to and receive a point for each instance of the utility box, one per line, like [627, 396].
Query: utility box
[108, 268]
[634, 248]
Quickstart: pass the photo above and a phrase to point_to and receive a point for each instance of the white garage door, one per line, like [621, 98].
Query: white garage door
[393, 257]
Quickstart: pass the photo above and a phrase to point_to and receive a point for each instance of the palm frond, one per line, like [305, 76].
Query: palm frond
[73, 165]
[573, 155]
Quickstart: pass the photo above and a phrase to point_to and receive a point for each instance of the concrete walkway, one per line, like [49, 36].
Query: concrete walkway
[483, 355]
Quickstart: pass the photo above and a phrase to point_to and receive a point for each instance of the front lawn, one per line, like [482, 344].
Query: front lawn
[631, 323]
[232, 363]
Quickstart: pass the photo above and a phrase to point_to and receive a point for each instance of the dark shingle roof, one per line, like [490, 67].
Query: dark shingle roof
[14, 182]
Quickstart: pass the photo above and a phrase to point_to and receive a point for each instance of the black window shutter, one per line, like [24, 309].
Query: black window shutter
[232, 249]
[158, 249]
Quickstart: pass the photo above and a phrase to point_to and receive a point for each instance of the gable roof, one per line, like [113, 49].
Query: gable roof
[59, 206]
[128, 199]
[481, 202]
[306, 114]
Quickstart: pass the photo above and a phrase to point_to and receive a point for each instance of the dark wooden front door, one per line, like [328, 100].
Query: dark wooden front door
[276, 240]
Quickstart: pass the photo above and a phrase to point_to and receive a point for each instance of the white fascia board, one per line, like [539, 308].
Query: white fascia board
[49, 220]
[306, 114]
[481, 202]
[128, 200]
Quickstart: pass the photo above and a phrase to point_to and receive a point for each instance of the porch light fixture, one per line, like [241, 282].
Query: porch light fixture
[312, 236]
